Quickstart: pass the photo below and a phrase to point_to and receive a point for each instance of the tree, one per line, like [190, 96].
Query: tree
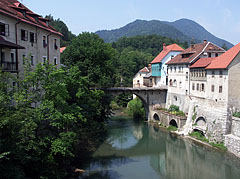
[93, 57]
[48, 121]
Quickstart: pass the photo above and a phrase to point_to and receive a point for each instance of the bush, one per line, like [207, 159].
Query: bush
[236, 114]
[173, 108]
[198, 136]
[135, 108]
[172, 128]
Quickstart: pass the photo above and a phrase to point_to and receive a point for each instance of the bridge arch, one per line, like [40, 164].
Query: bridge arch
[156, 117]
[200, 125]
[173, 122]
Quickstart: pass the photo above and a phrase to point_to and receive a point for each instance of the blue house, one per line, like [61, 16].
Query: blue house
[159, 67]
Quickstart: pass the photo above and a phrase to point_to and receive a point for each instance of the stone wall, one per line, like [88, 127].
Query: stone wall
[232, 141]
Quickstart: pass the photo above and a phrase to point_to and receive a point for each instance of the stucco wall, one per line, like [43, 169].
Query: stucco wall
[234, 84]
[31, 49]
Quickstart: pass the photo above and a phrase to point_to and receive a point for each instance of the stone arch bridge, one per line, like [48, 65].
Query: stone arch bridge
[151, 97]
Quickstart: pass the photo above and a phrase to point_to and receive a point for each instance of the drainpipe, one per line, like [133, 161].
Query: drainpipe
[16, 36]
[48, 46]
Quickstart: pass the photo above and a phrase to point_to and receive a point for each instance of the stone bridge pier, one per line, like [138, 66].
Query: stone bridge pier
[150, 97]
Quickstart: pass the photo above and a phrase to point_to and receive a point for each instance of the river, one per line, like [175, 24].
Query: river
[136, 149]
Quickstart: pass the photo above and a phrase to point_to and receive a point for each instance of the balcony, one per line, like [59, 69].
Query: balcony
[8, 66]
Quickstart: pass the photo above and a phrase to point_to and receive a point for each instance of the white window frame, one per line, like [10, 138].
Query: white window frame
[43, 59]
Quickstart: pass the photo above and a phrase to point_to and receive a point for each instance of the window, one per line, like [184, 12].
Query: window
[3, 56]
[213, 74]
[197, 86]
[220, 74]
[186, 76]
[180, 84]
[170, 82]
[4, 29]
[12, 58]
[216, 54]
[55, 44]
[193, 86]
[209, 55]
[23, 59]
[55, 61]
[212, 88]
[33, 37]
[44, 41]
[170, 69]
[44, 60]
[175, 69]
[32, 60]
[202, 87]
[24, 35]
[175, 83]
[220, 89]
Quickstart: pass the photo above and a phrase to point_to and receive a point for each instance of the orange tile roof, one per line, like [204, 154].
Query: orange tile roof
[225, 59]
[202, 63]
[194, 52]
[165, 51]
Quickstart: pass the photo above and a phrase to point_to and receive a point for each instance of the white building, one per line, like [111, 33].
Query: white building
[179, 72]
[138, 80]
[24, 34]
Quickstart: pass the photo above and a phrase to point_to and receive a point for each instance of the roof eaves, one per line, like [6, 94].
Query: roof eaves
[200, 53]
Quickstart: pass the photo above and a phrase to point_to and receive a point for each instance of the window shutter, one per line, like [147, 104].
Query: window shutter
[35, 37]
[26, 35]
[6, 29]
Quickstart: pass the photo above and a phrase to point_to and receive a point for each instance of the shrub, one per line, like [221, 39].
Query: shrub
[135, 108]
[173, 108]
[172, 128]
[236, 114]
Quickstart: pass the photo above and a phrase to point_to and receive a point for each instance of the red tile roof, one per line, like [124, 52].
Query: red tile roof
[191, 54]
[202, 63]
[145, 70]
[14, 9]
[62, 49]
[165, 51]
[225, 59]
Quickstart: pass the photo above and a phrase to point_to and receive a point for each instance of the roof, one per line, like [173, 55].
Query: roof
[165, 51]
[5, 43]
[202, 63]
[223, 61]
[62, 49]
[144, 70]
[189, 55]
[16, 10]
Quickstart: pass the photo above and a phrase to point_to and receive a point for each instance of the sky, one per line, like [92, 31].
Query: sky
[219, 17]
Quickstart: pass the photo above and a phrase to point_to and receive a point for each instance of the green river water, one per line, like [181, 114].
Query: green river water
[136, 149]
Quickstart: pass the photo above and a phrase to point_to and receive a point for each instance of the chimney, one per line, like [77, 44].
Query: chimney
[205, 41]
[164, 46]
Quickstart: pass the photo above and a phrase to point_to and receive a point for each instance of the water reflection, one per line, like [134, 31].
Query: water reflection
[138, 150]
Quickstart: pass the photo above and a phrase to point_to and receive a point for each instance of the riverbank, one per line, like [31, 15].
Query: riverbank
[216, 147]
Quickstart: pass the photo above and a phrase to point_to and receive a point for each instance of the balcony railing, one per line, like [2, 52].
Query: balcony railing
[8, 66]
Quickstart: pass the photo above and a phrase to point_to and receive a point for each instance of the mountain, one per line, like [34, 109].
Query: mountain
[193, 30]
[183, 30]
[143, 27]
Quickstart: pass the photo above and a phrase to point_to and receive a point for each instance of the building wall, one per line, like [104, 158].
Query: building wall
[31, 49]
[234, 84]
[138, 79]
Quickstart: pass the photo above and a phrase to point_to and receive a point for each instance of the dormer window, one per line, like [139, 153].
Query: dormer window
[4, 29]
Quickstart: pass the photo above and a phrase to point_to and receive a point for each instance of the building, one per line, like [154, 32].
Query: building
[179, 72]
[159, 67]
[24, 34]
[141, 79]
